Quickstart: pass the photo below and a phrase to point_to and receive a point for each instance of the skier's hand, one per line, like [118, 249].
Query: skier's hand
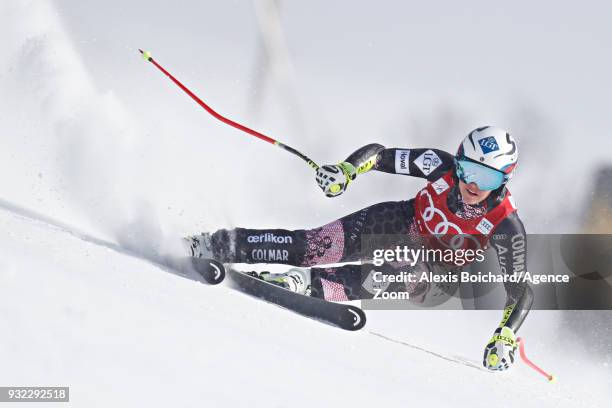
[334, 178]
[499, 352]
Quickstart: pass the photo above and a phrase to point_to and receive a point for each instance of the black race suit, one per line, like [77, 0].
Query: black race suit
[340, 240]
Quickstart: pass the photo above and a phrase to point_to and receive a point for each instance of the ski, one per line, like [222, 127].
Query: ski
[346, 317]
[213, 272]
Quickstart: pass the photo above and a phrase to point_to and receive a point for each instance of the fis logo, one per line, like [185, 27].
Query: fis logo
[269, 237]
[488, 144]
[440, 186]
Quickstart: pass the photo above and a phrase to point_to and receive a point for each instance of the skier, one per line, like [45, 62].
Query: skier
[465, 194]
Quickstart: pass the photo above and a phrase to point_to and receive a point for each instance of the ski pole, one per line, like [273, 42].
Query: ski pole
[147, 56]
[551, 378]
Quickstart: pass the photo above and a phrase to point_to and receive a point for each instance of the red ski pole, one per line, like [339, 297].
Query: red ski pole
[551, 378]
[147, 56]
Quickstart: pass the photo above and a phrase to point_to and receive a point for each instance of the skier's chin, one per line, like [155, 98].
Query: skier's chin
[471, 194]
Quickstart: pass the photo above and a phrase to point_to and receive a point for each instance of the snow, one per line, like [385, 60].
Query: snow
[122, 331]
[104, 163]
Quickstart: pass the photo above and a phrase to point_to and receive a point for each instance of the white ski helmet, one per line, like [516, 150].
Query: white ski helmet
[487, 156]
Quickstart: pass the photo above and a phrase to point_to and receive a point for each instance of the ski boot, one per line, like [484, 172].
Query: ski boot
[295, 279]
[199, 246]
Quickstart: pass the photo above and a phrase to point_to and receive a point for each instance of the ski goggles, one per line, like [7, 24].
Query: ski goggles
[485, 177]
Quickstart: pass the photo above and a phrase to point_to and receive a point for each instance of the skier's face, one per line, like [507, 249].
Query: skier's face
[471, 194]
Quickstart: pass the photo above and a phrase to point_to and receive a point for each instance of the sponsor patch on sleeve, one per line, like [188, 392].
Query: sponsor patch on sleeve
[402, 161]
[428, 162]
[484, 226]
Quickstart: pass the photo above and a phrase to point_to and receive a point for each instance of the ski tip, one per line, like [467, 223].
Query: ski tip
[212, 271]
[357, 319]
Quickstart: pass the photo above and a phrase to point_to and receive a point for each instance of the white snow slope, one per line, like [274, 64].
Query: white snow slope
[122, 331]
[91, 193]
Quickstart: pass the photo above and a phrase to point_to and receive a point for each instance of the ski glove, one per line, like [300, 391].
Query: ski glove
[499, 352]
[334, 178]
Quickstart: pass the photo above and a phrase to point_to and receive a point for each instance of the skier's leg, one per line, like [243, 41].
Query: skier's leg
[338, 241]
[354, 282]
[337, 283]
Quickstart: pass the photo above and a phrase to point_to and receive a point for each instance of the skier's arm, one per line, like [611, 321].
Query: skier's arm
[430, 164]
[365, 158]
[426, 163]
[510, 241]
